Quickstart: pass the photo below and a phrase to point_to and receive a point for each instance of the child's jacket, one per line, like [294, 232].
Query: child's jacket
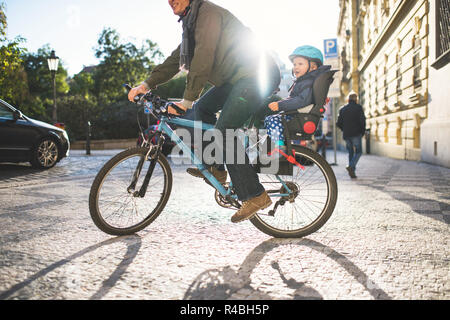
[301, 94]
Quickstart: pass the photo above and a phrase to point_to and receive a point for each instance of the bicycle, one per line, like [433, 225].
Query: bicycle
[304, 186]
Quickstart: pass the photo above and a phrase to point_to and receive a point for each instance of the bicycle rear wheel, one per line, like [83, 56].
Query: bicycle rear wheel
[311, 203]
[113, 206]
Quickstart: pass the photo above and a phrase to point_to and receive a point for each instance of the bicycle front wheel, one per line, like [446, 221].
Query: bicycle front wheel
[311, 202]
[114, 206]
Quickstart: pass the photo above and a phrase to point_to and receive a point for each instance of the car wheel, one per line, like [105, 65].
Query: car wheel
[45, 154]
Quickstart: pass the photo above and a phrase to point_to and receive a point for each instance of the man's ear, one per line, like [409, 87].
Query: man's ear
[292, 71]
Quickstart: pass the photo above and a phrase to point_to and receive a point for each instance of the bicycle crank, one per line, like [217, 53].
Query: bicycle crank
[225, 202]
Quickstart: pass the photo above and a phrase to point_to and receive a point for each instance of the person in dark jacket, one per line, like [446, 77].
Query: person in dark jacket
[307, 66]
[217, 48]
[352, 122]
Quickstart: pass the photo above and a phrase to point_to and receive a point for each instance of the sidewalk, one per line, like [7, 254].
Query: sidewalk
[387, 238]
[424, 188]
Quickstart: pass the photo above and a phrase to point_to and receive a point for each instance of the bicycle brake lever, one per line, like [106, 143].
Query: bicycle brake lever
[138, 98]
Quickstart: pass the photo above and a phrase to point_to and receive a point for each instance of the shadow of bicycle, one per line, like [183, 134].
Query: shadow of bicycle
[133, 244]
[223, 283]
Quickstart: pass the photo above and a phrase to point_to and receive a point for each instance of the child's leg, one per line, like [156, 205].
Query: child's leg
[275, 130]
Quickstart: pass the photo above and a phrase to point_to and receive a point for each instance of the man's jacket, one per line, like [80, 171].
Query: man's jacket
[301, 94]
[351, 120]
[224, 53]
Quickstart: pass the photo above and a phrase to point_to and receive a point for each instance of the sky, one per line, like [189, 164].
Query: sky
[72, 27]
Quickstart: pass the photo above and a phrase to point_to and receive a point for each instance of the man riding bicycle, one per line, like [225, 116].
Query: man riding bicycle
[217, 48]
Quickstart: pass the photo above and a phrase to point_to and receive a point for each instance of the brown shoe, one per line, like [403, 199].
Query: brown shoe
[220, 175]
[251, 207]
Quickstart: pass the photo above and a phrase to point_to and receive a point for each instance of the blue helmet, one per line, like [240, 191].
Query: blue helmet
[307, 52]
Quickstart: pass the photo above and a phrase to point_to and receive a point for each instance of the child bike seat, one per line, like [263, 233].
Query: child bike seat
[303, 124]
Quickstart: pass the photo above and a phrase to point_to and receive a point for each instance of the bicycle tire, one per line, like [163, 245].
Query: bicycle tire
[323, 176]
[97, 213]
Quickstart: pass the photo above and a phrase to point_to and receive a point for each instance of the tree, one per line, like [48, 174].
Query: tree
[39, 77]
[3, 23]
[82, 84]
[75, 111]
[40, 83]
[13, 86]
[120, 63]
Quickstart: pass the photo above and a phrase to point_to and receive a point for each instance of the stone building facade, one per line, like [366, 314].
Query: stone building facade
[386, 58]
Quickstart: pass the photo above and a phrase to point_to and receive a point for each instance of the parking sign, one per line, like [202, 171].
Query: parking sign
[330, 48]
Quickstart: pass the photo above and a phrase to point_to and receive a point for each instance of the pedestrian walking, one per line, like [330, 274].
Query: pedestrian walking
[352, 122]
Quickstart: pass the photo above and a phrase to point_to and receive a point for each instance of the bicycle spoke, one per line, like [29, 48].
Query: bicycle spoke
[310, 192]
[122, 209]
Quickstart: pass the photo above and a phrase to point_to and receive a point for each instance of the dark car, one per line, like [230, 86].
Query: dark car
[23, 139]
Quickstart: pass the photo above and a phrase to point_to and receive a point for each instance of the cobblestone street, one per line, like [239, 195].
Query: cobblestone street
[388, 238]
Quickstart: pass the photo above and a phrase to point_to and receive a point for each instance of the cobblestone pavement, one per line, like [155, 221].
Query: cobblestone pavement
[387, 239]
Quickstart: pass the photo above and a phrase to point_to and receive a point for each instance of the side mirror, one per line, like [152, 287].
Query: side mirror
[17, 115]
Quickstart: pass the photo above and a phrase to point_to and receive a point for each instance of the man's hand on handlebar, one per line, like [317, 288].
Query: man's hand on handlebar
[174, 108]
[141, 89]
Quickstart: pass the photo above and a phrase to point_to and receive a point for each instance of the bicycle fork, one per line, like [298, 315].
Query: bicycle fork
[148, 175]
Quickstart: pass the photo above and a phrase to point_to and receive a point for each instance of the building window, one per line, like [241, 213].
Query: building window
[362, 91]
[385, 7]
[376, 90]
[442, 33]
[398, 63]
[417, 62]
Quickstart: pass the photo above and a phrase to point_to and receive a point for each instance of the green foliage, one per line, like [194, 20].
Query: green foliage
[13, 84]
[40, 80]
[75, 111]
[82, 84]
[116, 121]
[120, 63]
[3, 23]
[99, 96]
[13, 87]
[39, 100]
[96, 96]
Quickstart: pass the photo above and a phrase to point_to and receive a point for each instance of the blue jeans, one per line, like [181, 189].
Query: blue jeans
[354, 148]
[238, 102]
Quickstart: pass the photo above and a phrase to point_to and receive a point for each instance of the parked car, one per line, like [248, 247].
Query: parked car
[23, 139]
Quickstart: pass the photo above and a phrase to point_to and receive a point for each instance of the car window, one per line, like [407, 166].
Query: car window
[6, 113]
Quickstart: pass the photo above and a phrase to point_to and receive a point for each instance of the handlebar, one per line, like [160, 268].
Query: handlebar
[159, 105]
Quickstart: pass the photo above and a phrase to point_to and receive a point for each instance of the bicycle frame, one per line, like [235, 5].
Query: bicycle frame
[165, 128]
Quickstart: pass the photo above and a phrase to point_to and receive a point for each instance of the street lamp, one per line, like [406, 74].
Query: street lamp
[53, 62]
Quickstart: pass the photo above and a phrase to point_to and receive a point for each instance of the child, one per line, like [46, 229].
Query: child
[307, 66]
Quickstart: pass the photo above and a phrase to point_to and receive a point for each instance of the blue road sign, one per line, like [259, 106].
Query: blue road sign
[330, 48]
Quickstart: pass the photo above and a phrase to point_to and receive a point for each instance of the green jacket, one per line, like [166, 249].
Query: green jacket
[224, 53]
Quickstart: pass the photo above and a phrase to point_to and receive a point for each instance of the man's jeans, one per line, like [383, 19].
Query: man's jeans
[354, 148]
[238, 102]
